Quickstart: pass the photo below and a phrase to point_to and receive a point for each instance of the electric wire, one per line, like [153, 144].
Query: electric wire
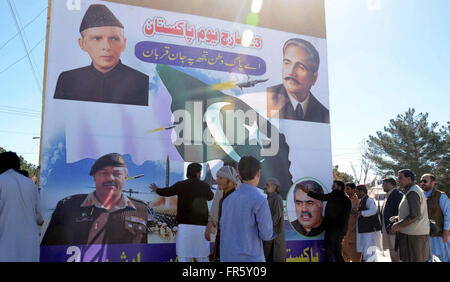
[19, 60]
[26, 40]
[25, 26]
[24, 45]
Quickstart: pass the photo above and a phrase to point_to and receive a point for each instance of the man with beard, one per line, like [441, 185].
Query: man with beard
[275, 250]
[292, 99]
[105, 216]
[227, 181]
[308, 210]
[438, 206]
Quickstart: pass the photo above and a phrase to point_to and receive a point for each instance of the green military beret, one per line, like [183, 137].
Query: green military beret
[112, 159]
[97, 16]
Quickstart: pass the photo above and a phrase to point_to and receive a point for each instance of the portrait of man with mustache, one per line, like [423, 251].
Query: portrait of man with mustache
[105, 216]
[293, 99]
[308, 210]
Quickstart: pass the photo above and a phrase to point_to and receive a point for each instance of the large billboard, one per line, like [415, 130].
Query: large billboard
[151, 86]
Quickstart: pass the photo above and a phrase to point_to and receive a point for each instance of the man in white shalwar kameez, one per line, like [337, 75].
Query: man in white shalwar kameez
[19, 213]
[367, 239]
[438, 205]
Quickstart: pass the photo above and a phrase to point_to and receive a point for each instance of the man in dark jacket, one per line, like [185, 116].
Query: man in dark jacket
[337, 212]
[192, 214]
[390, 209]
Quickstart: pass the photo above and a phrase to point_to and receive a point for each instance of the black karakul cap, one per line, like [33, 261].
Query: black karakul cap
[97, 16]
[113, 159]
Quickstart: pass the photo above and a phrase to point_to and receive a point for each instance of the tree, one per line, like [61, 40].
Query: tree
[337, 175]
[443, 166]
[24, 164]
[410, 142]
[366, 164]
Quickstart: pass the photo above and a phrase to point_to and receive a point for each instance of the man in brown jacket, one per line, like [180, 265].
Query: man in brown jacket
[349, 243]
[438, 210]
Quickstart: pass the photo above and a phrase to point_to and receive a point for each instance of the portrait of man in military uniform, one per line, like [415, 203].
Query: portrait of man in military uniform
[293, 99]
[105, 216]
[106, 80]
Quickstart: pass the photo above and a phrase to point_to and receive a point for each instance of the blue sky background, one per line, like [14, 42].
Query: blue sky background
[384, 56]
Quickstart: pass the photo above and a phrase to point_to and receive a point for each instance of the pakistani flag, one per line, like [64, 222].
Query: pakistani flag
[211, 125]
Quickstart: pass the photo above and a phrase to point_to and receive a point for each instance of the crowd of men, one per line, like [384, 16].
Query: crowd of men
[414, 220]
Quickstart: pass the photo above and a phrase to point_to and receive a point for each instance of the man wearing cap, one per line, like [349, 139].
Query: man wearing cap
[292, 99]
[227, 181]
[106, 80]
[105, 216]
[275, 250]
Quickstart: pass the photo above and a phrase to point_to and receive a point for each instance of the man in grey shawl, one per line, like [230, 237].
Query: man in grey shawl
[275, 250]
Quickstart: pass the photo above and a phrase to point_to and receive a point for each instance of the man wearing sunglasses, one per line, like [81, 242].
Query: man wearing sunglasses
[438, 210]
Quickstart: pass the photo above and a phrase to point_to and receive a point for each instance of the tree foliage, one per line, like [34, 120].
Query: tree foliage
[409, 141]
[442, 170]
[338, 175]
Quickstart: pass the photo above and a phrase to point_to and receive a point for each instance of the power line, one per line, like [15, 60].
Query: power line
[25, 26]
[16, 111]
[22, 109]
[24, 45]
[20, 113]
[8, 67]
[19, 132]
[26, 40]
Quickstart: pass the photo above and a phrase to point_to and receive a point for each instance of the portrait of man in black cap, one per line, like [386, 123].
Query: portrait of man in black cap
[105, 216]
[106, 80]
[293, 99]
